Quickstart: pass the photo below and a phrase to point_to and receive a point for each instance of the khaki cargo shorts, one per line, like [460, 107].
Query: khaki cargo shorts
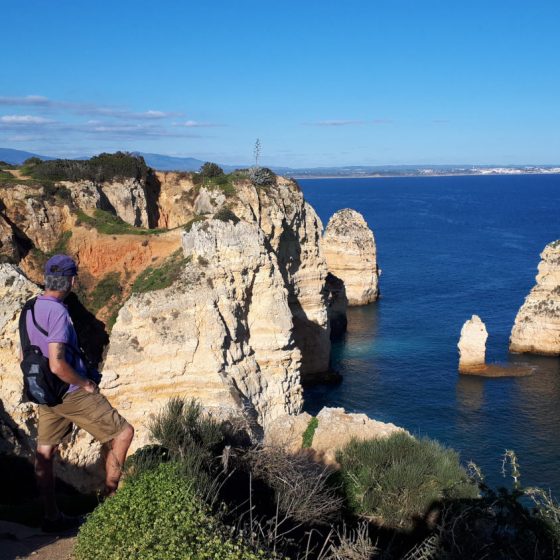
[90, 411]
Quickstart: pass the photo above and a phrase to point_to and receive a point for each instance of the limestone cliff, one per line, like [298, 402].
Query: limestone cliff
[472, 345]
[537, 324]
[222, 333]
[292, 230]
[129, 199]
[349, 248]
[240, 326]
[35, 215]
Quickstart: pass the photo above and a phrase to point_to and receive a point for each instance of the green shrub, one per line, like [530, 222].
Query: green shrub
[307, 437]
[226, 215]
[163, 276]
[399, 478]
[209, 170]
[181, 426]
[104, 167]
[157, 516]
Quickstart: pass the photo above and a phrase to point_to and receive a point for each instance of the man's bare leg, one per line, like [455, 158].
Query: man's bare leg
[116, 455]
[44, 472]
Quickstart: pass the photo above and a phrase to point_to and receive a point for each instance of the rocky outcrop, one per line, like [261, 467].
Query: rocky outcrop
[222, 333]
[537, 324]
[292, 231]
[335, 428]
[208, 201]
[472, 345]
[349, 248]
[39, 215]
[177, 196]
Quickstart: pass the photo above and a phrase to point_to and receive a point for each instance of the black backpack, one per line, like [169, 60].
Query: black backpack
[40, 384]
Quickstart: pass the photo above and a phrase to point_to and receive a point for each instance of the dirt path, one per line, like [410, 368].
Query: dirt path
[18, 542]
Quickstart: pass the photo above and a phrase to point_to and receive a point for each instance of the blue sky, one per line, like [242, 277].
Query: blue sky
[319, 82]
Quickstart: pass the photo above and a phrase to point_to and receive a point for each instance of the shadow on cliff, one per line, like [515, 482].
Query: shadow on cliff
[92, 334]
[312, 339]
[22, 243]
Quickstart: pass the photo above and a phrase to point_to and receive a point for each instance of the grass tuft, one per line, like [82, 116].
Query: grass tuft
[163, 276]
[307, 438]
[109, 224]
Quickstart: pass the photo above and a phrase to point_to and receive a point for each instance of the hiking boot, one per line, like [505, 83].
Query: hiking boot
[61, 524]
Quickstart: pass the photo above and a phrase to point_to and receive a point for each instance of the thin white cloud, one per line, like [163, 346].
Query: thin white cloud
[34, 100]
[85, 108]
[335, 122]
[24, 119]
[196, 124]
[348, 122]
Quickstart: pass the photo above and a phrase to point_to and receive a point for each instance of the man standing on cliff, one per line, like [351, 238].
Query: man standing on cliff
[50, 328]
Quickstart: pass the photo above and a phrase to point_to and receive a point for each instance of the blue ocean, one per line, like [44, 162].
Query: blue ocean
[450, 247]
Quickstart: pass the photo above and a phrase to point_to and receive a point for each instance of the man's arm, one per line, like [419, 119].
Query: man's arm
[61, 368]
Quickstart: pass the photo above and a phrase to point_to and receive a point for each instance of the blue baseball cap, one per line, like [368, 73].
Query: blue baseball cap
[61, 265]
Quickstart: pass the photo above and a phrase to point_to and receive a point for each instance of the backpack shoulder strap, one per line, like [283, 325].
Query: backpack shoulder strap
[37, 326]
[23, 334]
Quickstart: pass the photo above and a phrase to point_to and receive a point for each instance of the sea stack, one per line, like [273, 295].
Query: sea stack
[472, 346]
[537, 324]
[348, 245]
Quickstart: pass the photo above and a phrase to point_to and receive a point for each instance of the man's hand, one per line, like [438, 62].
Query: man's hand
[90, 387]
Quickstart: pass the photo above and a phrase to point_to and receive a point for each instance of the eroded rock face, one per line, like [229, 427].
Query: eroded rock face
[292, 230]
[537, 324]
[176, 199]
[222, 333]
[9, 250]
[334, 430]
[38, 215]
[349, 248]
[472, 345]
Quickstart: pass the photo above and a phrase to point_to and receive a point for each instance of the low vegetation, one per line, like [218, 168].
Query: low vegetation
[203, 490]
[109, 224]
[162, 276]
[224, 214]
[307, 438]
[104, 167]
[212, 176]
[399, 478]
[158, 516]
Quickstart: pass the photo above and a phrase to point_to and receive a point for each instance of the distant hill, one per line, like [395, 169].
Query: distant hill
[17, 157]
[173, 163]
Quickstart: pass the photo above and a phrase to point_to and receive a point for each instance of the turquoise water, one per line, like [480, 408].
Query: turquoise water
[450, 247]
